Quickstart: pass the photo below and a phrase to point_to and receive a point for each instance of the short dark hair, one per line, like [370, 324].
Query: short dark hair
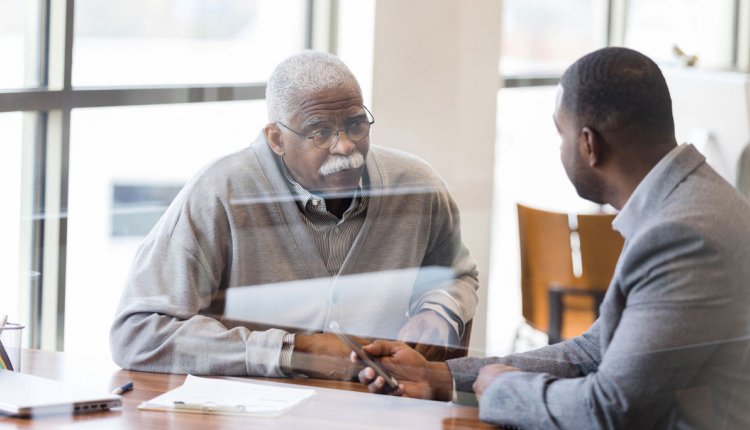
[615, 88]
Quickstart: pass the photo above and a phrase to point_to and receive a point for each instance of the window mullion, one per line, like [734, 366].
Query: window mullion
[56, 149]
[617, 21]
[324, 24]
[742, 35]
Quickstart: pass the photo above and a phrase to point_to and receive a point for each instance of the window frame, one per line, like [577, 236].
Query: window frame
[44, 240]
[616, 25]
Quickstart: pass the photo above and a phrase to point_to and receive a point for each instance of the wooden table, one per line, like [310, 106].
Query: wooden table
[336, 405]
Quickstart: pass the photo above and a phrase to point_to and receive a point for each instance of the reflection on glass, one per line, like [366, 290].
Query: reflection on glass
[125, 166]
[543, 37]
[378, 253]
[18, 48]
[126, 42]
[11, 126]
[371, 241]
[291, 304]
[698, 27]
[137, 208]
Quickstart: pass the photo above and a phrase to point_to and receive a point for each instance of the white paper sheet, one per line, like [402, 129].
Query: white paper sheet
[220, 396]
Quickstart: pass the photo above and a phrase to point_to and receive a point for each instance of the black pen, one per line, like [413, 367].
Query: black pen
[123, 388]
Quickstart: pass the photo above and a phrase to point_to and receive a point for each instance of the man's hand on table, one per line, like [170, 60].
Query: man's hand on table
[429, 334]
[487, 376]
[323, 356]
[417, 377]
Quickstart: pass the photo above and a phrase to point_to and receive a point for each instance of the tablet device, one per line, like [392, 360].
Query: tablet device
[390, 382]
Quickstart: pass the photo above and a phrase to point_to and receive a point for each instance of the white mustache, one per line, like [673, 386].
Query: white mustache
[338, 163]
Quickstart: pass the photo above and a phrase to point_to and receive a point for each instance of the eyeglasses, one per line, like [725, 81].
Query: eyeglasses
[325, 137]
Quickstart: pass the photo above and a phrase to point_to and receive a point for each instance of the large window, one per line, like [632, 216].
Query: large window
[19, 43]
[540, 37]
[127, 42]
[704, 28]
[11, 126]
[143, 166]
[99, 127]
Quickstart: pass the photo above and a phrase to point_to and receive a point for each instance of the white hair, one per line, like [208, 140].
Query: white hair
[301, 75]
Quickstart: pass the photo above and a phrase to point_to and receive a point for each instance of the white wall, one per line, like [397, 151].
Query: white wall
[435, 82]
[711, 110]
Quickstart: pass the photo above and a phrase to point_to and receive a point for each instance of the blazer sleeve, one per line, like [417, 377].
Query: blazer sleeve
[668, 313]
[573, 358]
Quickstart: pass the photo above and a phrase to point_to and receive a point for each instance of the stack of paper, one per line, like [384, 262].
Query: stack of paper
[220, 396]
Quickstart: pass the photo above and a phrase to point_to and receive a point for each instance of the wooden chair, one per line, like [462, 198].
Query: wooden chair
[567, 262]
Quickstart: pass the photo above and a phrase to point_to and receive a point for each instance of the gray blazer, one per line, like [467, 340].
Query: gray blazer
[671, 348]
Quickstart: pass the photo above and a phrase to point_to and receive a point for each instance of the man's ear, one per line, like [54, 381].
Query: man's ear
[273, 137]
[590, 146]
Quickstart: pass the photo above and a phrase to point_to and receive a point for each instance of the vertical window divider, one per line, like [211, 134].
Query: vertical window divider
[617, 22]
[33, 144]
[324, 20]
[57, 150]
[742, 36]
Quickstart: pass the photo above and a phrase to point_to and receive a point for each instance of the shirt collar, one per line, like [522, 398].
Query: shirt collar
[308, 200]
[653, 187]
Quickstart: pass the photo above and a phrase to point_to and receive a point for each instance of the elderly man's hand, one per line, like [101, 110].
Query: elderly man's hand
[324, 356]
[417, 377]
[429, 334]
[487, 376]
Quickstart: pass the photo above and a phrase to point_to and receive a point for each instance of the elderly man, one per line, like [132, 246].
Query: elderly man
[310, 224]
[671, 347]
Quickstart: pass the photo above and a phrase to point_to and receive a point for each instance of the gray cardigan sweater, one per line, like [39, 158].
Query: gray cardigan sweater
[230, 267]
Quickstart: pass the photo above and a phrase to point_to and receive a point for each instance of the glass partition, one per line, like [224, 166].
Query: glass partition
[127, 164]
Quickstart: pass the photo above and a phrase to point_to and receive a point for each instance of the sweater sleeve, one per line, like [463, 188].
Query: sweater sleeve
[455, 299]
[159, 327]
[164, 320]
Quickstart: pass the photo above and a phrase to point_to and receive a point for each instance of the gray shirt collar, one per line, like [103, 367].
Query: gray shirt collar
[657, 185]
